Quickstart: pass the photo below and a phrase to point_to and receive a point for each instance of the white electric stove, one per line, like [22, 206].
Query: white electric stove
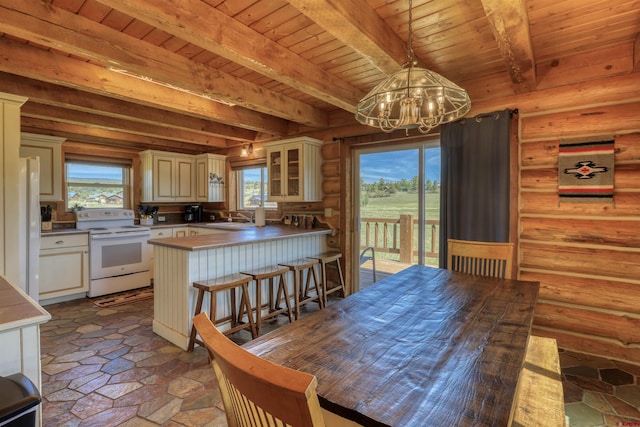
[119, 257]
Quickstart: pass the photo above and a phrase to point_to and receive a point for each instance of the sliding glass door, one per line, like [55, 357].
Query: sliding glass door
[397, 209]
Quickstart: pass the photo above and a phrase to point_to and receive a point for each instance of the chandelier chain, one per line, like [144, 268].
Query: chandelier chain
[410, 53]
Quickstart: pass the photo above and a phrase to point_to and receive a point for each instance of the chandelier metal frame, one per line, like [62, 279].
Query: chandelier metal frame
[412, 98]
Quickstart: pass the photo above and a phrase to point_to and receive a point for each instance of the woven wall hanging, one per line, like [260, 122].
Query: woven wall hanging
[585, 172]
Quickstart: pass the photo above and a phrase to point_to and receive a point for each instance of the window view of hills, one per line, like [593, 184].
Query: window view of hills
[95, 186]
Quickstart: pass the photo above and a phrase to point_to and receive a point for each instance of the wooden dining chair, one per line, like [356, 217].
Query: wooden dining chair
[255, 391]
[481, 258]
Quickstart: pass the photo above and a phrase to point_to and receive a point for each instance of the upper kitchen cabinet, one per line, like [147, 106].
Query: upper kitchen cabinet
[49, 150]
[210, 178]
[293, 167]
[167, 177]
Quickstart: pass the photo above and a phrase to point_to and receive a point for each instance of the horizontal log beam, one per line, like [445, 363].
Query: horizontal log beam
[19, 58]
[194, 21]
[624, 329]
[118, 125]
[56, 96]
[107, 137]
[62, 30]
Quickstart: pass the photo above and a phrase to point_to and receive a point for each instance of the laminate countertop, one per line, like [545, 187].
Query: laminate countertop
[241, 236]
[17, 309]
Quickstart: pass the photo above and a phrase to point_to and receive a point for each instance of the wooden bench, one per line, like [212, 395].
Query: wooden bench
[539, 397]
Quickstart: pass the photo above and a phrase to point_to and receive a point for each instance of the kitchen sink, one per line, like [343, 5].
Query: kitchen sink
[231, 225]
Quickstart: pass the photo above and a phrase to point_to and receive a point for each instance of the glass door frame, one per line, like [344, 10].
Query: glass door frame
[356, 152]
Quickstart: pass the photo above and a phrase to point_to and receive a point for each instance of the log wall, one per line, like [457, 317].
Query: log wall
[586, 256]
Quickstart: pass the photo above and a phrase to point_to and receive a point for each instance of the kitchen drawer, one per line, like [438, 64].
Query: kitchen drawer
[159, 233]
[64, 241]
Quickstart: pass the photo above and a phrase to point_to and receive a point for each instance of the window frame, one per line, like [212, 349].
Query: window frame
[264, 180]
[127, 174]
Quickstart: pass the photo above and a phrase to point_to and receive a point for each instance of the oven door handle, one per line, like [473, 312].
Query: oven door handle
[121, 235]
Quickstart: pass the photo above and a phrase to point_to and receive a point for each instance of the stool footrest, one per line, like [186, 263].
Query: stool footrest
[271, 272]
[221, 284]
[324, 259]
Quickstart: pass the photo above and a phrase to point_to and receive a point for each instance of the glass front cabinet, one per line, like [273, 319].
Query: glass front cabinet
[293, 168]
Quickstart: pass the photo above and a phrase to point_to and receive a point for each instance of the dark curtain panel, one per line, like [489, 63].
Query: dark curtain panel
[474, 194]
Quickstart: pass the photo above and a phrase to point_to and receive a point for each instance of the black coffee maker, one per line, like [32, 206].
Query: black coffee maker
[193, 213]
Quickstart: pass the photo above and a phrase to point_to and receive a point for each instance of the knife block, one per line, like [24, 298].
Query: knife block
[146, 221]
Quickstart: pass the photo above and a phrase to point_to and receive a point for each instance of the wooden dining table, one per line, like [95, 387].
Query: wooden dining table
[426, 346]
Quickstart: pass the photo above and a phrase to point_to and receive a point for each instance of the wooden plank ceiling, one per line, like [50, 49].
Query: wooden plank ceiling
[205, 75]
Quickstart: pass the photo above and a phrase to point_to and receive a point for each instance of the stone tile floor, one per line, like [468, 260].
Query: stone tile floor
[105, 367]
[600, 392]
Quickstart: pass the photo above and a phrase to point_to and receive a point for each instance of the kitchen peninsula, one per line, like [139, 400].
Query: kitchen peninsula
[20, 320]
[180, 261]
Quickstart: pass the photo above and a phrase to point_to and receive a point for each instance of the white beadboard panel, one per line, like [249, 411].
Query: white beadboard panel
[10, 352]
[20, 352]
[30, 348]
[176, 270]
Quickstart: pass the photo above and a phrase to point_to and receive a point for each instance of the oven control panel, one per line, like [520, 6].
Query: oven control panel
[105, 214]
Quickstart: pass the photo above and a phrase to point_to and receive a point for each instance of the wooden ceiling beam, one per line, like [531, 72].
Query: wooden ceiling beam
[68, 32]
[40, 111]
[76, 100]
[509, 23]
[36, 63]
[210, 29]
[81, 133]
[357, 25]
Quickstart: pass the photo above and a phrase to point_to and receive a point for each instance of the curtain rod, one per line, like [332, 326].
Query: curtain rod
[479, 116]
[483, 115]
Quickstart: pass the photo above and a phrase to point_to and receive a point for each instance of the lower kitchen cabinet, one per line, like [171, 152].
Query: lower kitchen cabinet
[182, 231]
[201, 231]
[64, 265]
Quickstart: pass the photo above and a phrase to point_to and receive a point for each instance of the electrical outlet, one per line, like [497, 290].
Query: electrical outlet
[162, 219]
[212, 217]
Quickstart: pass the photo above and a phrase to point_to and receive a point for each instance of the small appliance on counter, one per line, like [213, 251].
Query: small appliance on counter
[193, 213]
[45, 218]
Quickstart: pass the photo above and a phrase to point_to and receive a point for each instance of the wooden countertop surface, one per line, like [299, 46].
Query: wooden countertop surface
[17, 309]
[425, 346]
[243, 236]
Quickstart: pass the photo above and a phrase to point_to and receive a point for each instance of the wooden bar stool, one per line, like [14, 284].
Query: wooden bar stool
[301, 296]
[324, 259]
[273, 305]
[221, 284]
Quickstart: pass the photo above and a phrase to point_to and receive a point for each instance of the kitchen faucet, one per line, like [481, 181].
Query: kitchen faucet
[247, 215]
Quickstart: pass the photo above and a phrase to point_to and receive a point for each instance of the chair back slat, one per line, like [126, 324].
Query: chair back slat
[256, 392]
[480, 258]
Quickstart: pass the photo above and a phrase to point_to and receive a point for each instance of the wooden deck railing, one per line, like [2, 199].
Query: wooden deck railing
[398, 236]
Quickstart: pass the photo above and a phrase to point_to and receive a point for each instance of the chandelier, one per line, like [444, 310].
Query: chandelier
[413, 97]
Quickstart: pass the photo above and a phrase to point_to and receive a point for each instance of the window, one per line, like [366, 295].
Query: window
[252, 189]
[96, 185]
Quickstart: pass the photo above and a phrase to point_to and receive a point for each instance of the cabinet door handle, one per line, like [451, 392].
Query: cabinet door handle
[59, 242]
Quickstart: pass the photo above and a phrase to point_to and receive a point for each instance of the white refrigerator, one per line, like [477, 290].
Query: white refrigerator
[29, 225]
